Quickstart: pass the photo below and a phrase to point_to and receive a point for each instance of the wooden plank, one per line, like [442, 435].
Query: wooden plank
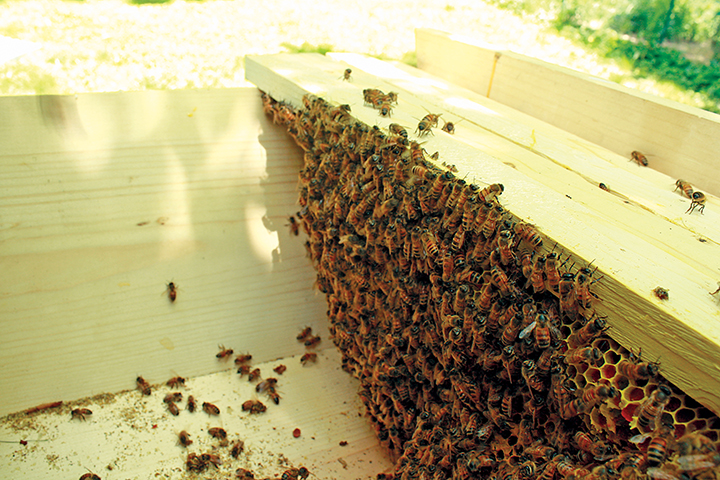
[683, 330]
[105, 199]
[641, 201]
[138, 438]
[681, 141]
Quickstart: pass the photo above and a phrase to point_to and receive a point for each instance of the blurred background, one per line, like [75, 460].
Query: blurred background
[670, 48]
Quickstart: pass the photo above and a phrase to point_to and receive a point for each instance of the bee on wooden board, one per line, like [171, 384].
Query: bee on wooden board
[80, 413]
[173, 397]
[242, 359]
[173, 408]
[176, 382]
[427, 123]
[191, 404]
[253, 406]
[210, 409]
[639, 158]
[254, 375]
[224, 353]
[302, 336]
[294, 226]
[89, 476]
[143, 386]
[685, 188]
[449, 127]
[308, 357]
[217, 432]
[346, 76]
[698, 200]
[184, 438]
[171, 291]
[661, 293]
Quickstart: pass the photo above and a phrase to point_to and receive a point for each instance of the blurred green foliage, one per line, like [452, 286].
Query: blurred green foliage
[306, 47]
[631, 31]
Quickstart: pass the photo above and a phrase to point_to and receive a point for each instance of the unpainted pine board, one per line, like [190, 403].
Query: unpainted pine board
[110, 197]
[631, 199]
[679, 140]
[137, 437]
[631, 267]
[627, 205]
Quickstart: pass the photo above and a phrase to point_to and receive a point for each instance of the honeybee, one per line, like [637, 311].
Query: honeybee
[273, 395]
[587, 332]
[191, 404]
[89, 476]
[143, 386]
[176, 382]
[583, 355]
[210, 409]
[173, 397]
[449, 127]
[536, 275]
[346, 76]
[254, 375]
[695, 443]
[593, 395]
[184, 438]
[657, 449]
[307, 331]
[568, 299]
[266, 385]
[237, 448]
[635, 370]
[243, 474]
[500, 279]
[639, 158]
[253, 406]
[528, 233]
[244, 370]
[218, 433]
[661, 293]
[280, 369]
[242, 359]
[308, 357]
[80, 413]
[294, 226]
[172, 408]
[224, 353]
[490, 193]
[684, 187]
[653, 406]
[698, 200]
[171, 291]
[426, 124]
[210, 458]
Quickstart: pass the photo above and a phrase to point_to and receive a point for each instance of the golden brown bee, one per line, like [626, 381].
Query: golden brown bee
[489, 193]
[593, 395]
[449, 127]
[312, 341]
[653, 406]
[294, 226]
[172, 408]
[265, 385]
[243, 474]
[280, 369]
[195, 464]
[661, 293]
[684, 187]
[218, 433]
[224, 353]
[191, 404]
[210, 458]
[80, 413]
[143, 386]
[237, 448]
[89, 476]
[176, 382]
[173, 397]
[308, 357]
[589, 331]
[307, 331]
[171, 291]
[346, 74]
[184, 438]
[639, 158]
[253, 406]
[254, 375]
[698, 200]
[210, 409]
[241, 359]
[273, 395]
[244, 370]
[568, 298]
[426, 124]
[583, 355]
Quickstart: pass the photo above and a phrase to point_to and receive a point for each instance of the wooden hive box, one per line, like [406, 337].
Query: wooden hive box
[108, 197]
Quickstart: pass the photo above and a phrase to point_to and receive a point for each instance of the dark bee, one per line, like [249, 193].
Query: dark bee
[191, 404]
[184, 438]
[237, 448]
[224, 353]
[308, 357]
[312, 341]
[280, 369]
[639, 158]
[307, 331]
[347, 74]
[176, 382]
[661, 293]
[90, 476]
[143, 386]
[217, 432]
[210, 409]
[80, 413]
[171, 291]
[698, 200]
[294, 226]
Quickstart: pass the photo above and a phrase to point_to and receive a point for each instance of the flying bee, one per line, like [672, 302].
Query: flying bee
[176, 382]
[294, 226]
[224, 353]
[143, 386]
[210, 409]
[171, 291]
[184, 438]
[346, 76]
[308, 357]
[653, 406]
[661, 293]
[685, 188]
[307, 331]
[80, 413]
[639, 158]
[191, 404]
[698, 200]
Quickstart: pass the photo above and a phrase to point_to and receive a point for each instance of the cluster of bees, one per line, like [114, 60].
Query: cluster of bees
[697, 199]
[477, 348]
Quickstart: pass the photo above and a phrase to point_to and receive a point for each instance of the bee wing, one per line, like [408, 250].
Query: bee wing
[526, 331]
[640, 438]
[694, 462]
[660, 474]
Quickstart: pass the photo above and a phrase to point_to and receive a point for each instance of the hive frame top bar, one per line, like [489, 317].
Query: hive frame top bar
[682, 332]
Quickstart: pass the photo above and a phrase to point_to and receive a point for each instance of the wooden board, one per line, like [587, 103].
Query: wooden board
[107, 197]
[680, 141]
[684, 331]
[136, 436]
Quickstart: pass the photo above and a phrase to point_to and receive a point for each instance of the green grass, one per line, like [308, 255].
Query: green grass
[322, 49]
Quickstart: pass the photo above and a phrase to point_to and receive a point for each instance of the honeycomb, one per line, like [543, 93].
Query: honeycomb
[478, 354]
